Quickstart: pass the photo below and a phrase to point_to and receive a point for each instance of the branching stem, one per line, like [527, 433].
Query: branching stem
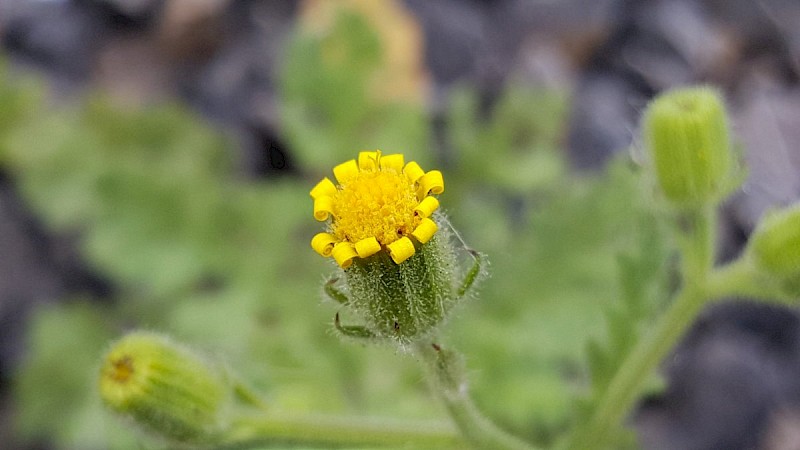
[697, 236]
[741, 279]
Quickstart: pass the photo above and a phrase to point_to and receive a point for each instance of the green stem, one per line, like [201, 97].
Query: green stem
[697, 233]
[444, 369]
[733, 280]
[741, 279]
[697, 236]
[627, 382]
[333, 432]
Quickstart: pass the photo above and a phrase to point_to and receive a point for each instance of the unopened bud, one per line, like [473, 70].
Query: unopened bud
[775, 247]
[686, 133]
[163, 387]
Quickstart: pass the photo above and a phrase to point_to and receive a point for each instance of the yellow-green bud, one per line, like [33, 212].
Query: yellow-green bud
[686, 133]
[163, 387]
[775, 247]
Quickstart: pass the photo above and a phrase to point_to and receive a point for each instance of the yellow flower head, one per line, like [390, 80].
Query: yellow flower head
[380, 203]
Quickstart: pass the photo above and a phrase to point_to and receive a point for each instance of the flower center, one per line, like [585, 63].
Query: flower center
[122, 369]
[375, 203]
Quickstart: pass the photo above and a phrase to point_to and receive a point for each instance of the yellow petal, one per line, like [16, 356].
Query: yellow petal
[323, 207]
[345, 171]
[343, 253]
[323, 243]
[401, 249]
[367, 247]
[425, 230]
[413, 172]
[426, 207]
[394, 162]
[324, 187]
[368, 160]
[431, 183]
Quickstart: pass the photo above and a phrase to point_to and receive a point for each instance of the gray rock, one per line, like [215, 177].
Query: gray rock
[734, 371]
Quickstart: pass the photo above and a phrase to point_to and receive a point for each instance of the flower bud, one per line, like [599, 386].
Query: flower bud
[686, 133]
[163, 387]
[775, 247]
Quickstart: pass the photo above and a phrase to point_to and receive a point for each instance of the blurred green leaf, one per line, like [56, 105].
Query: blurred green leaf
[329, 112]
[514, 145]
[55, 389]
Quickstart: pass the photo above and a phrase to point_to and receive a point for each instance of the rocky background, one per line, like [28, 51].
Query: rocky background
[734, 381]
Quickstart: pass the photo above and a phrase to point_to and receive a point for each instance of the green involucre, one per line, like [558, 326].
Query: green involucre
[407, 301]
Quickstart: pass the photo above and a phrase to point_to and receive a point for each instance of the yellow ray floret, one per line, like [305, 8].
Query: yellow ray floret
[401, 249]
[323, 188]
[431, 183]
[323, 207]
[426, 207]
[392, 162]
[343, 253]
[323, 243]
[368, 160]
[367, 247]
[345, 171]
[413, 172]
[425, 230]
[379, 204]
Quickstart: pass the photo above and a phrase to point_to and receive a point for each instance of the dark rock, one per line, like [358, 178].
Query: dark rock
[60, 37]
[768, 126]
[605, 114]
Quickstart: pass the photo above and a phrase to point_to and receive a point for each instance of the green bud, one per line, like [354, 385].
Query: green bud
[163, 387]
[406, 302]
[775, 247]
[686, 132]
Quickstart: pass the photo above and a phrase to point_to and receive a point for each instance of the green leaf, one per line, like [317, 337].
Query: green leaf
[642, 279]
[329, 111]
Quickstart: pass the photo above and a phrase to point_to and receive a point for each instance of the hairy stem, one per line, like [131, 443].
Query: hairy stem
[335, 432]
[447, 379]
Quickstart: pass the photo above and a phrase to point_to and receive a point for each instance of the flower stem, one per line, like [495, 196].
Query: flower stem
[627, 382]
[444, 369]
[697, 238]
[332, 432]
[741, 279]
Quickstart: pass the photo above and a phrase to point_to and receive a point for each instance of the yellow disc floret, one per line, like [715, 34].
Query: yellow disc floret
[379, 203]
[375, 204]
